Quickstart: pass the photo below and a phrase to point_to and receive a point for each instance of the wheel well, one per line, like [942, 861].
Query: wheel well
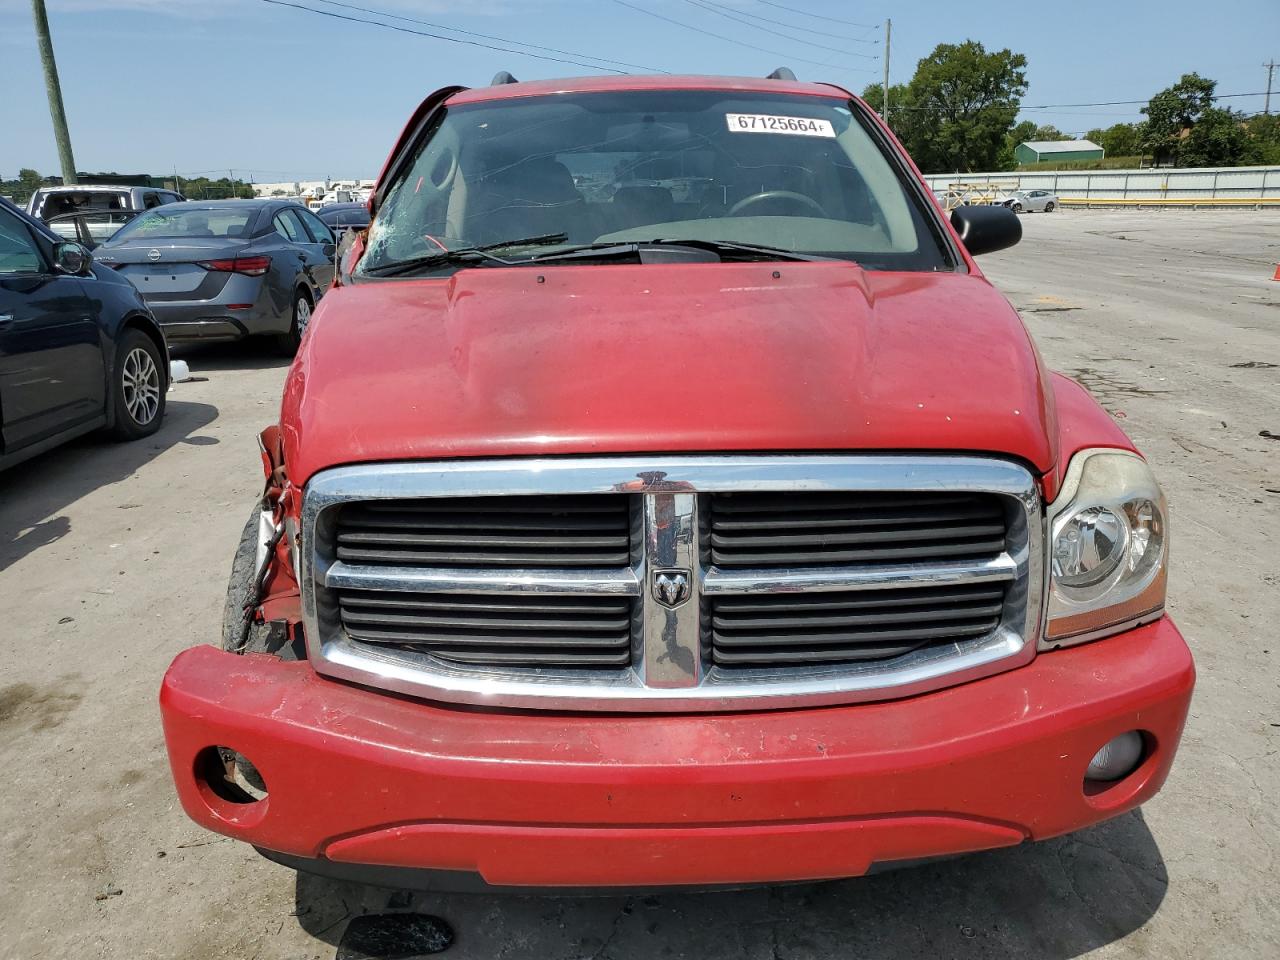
[304, 288]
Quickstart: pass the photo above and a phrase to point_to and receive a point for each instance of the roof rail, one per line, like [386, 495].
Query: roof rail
[502, 77]
[782, 73]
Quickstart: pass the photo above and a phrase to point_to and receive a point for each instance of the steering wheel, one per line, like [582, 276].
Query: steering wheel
[766, 195]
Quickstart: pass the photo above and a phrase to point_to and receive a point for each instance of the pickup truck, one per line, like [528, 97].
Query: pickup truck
[647, 540]
[91, 214]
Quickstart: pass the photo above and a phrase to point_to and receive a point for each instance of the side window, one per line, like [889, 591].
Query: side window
[18, 251]
[289, 228]
[150, 200]
[319, 232]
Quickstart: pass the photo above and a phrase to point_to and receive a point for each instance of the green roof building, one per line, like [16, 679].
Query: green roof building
[1058, 151]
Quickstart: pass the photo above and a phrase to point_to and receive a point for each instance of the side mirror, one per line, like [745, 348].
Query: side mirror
[986, 229]
[329, 249]
[72, 258]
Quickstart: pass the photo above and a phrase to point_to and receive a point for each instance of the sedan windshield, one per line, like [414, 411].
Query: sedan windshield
[188, 220]
[800, 174]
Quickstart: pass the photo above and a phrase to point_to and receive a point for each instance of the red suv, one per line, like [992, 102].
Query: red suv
[663, 496]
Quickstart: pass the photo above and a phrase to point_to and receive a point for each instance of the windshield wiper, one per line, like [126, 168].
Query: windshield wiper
[731, 246]
[734, 249]
[465, 254]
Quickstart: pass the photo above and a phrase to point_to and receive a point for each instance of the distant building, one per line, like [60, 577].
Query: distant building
[1058, 151]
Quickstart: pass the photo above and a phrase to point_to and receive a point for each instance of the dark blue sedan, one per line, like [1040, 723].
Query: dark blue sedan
[79, 349]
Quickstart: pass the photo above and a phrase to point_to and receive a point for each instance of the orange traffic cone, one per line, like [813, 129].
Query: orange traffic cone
[1277, 276]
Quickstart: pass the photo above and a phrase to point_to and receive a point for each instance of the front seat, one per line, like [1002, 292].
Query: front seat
[526, 199]
[638, 206]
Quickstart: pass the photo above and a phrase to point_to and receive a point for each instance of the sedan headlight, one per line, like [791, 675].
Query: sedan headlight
[1108, 547]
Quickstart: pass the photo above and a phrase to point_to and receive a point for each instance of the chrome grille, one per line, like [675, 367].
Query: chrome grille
[848, 528]
[534, 631]
[579, 531]
[772, 630]
[672, 583]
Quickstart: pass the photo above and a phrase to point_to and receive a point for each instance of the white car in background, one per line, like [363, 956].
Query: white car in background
[1032, 201]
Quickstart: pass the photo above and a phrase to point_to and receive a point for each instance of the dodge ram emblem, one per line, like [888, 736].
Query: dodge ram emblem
[671, 587]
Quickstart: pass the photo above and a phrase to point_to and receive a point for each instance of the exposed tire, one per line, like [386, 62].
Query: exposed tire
[302, 306]
[1048, 207]
[137, 387]
[1016, 208]
[240, 632]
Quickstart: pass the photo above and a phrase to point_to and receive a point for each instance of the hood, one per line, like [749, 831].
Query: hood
[527, 361]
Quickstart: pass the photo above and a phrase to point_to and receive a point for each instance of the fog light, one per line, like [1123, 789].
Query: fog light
[1117, 758]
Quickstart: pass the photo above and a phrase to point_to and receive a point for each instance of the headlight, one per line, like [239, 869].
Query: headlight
[1108, 547]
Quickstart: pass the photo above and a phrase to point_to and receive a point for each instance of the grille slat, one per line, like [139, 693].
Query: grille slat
[809, 622]
[534, 658]
[824, 536]
[848, 626]
[358, 617]
[484, 532]
[805, 529]
[478, 629]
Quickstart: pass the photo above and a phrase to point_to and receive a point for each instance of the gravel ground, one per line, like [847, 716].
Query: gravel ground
[113, 558]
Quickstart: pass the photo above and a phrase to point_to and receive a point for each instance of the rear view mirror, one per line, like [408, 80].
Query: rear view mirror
[986, 229]
[72, 258]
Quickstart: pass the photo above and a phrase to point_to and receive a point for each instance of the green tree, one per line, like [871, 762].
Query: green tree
[903, 116]
[1050, 132]
[29, 180]
[1218, 139]
[1264, 139]
[202, 188]
[960, 104]
[20, 189]
[1172, 113]
[1119, 139]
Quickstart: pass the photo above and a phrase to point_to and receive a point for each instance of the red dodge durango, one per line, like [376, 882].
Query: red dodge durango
[662, 496]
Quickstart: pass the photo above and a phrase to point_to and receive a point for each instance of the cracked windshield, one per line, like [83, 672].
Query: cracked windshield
[800, 174]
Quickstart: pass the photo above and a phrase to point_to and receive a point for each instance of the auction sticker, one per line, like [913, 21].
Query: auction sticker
[767, 123]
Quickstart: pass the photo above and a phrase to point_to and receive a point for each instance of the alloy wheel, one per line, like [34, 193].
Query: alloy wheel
[303, 312]
[141, 381]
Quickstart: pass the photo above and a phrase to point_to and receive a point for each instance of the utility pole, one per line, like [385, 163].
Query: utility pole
[56, 112]
[888, 34]
[1266, 109]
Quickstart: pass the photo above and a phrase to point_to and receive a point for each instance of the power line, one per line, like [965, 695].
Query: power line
[484, 36]
[1101, 103]
[1115, 103]
[777, 33]
[817, 16]
[436, 36]
[791, 26]
[718, 36]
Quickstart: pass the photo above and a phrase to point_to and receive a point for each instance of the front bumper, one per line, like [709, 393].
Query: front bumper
[358, 777]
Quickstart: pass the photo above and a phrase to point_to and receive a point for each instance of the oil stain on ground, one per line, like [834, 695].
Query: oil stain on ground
[26, 705]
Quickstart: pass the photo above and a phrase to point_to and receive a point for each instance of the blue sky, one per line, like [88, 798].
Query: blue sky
[276, 93]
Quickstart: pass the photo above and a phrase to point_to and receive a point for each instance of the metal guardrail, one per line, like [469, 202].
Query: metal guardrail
[1203, 184]
[1255, 203]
